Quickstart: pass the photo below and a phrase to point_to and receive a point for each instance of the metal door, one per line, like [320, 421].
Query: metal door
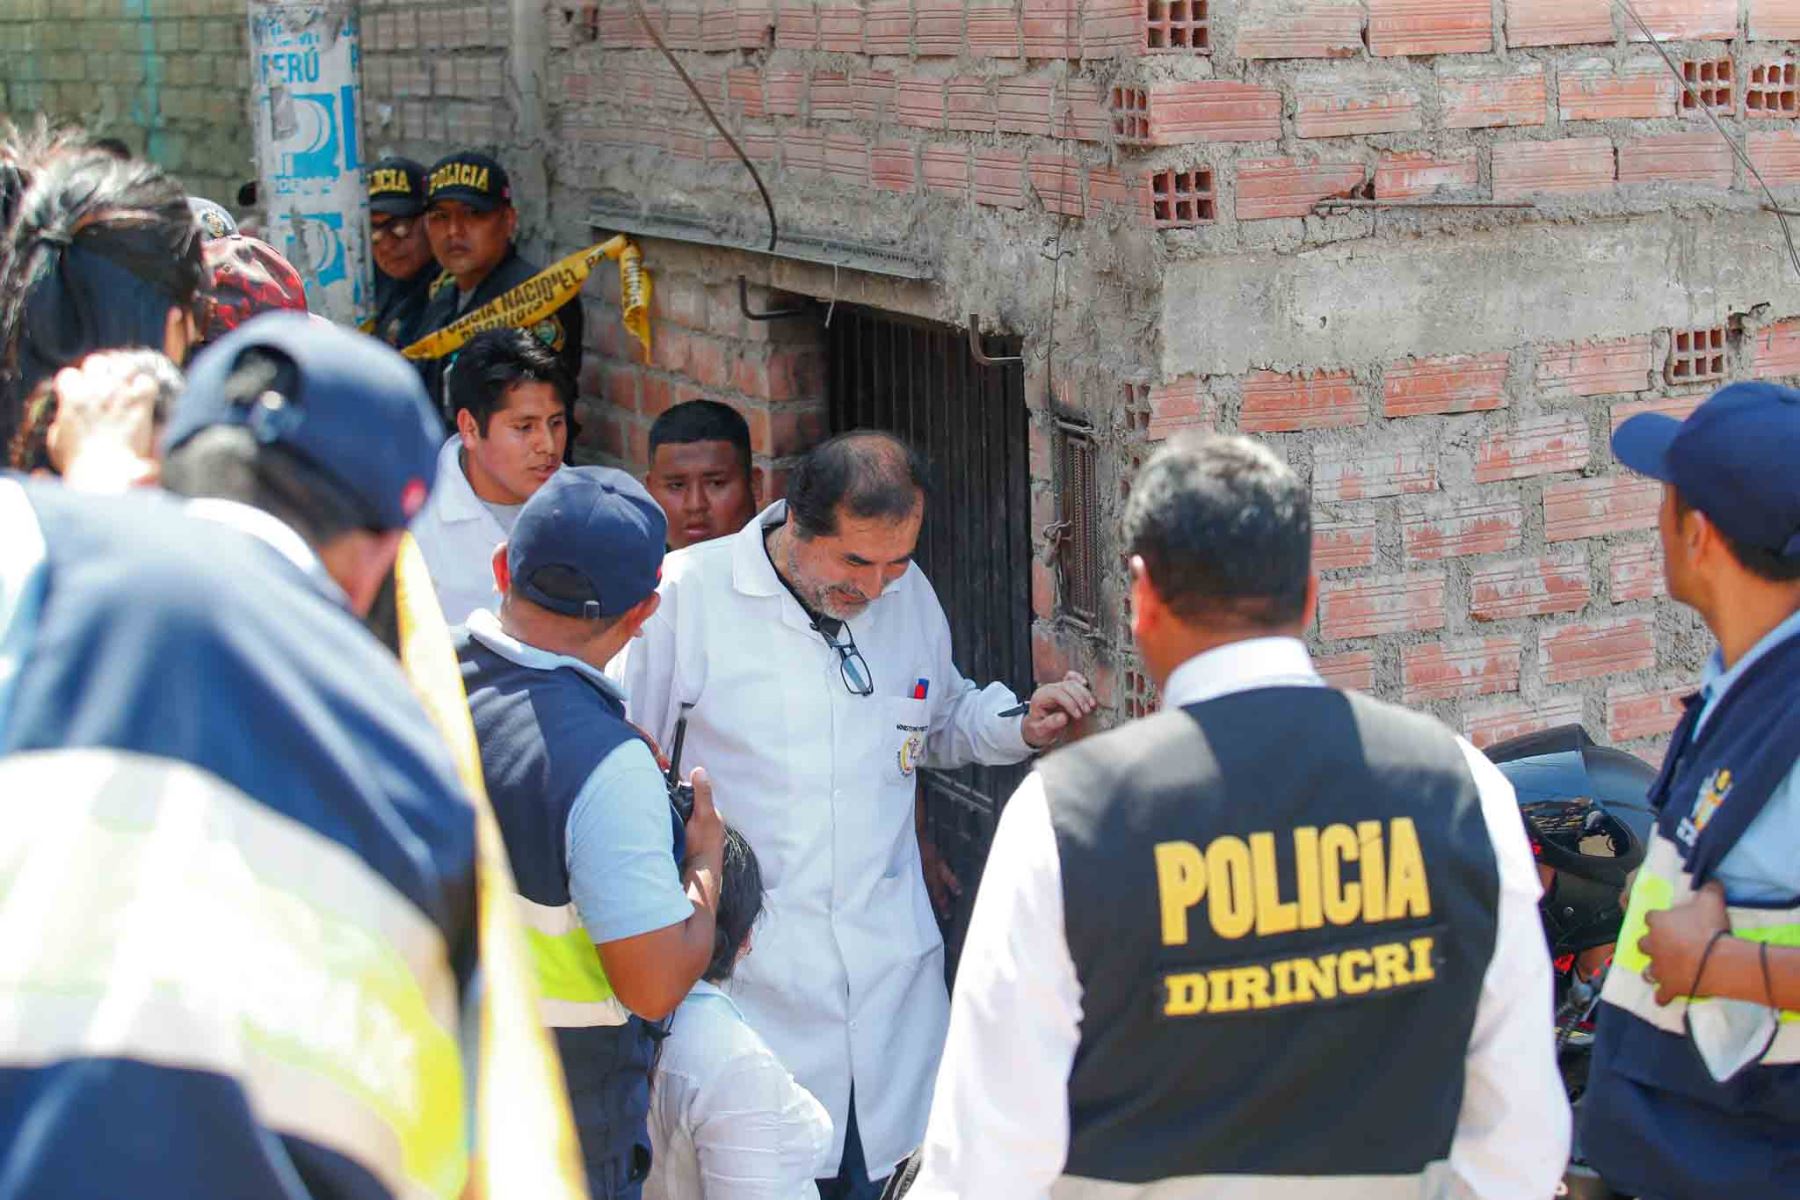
[918, 380]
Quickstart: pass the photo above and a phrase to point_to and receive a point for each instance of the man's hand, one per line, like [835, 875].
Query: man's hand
[705, 831]
[101, 437]
[1676, 940]
[1054, 707]
[940, 880]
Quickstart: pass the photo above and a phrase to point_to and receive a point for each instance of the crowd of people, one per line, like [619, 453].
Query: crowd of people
[1278, 940]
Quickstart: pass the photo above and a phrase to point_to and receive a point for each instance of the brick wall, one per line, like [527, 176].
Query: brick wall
[168, 77]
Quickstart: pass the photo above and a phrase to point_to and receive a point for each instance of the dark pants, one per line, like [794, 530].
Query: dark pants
[607, 1070]
[852, 1181]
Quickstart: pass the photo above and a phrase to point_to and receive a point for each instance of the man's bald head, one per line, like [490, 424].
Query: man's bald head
[865, 475]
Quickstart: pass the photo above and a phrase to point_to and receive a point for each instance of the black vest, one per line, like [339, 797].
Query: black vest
[1280, 904]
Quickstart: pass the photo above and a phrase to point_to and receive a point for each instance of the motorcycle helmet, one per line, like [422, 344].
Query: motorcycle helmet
[1587, 812]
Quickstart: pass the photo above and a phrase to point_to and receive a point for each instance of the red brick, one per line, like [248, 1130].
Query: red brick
[1300, 29]
[937, 27]
[1522, 169]
[920, 102]
[796, 373]
[1776, 156]
[1669, 406]
[831, 96]
[1684, 20]
[1282, 187]
[1477, 523]
[968, 107]
[1449, 670]
[1637, 571]
[1411, 174]
[1508, 721]
[1586, 649]
[1593, 91]
[1110, 27]
[782, 91]
[887, 27]
[1353, 671]
[1594, 368]
[1043, 590]
[993, 32]
[1348, 109]
[891, 167]
[1352, 473]
[1381, 604]
[1082, 112]
[847, 159]
[1177, 406]
[743, 91]
[1558, 22]
[1056, 178]
[999, 178]
[1774, 20]
[1048, 29]
[796, 26]
[1430, 27]
[1776, 350]
[875, 96]
[1676, 158]
[619, 386]
[1528, 587]
[1487, 100]
[1275, 403]
[1342, 545]
[1026, 105]
[708, 363]
[840, 28]
[1213, 110]
[1458, 383]
[1580, 508]
[1108, 187]
[1634, 711]
[1535, 446]
[803, 150]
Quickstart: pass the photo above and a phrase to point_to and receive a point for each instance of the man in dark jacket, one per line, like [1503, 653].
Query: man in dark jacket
[404, 268]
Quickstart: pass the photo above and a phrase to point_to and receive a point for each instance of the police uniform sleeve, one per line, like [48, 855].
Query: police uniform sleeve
[1512, 1136]
[999, 1126]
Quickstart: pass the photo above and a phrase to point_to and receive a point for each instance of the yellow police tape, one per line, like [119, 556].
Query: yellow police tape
[540, 296]
[524, 1139]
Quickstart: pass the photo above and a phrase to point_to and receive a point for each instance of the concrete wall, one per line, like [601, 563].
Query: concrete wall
[168, 77]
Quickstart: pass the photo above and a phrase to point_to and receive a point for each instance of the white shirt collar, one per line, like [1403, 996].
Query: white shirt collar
[275, 533]
[484, 627]
[454, 497]
[1238, 667]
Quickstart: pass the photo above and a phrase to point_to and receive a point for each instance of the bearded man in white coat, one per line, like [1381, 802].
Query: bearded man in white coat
[813, 662]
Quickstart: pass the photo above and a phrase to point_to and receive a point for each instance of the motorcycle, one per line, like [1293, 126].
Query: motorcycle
[1586, 813]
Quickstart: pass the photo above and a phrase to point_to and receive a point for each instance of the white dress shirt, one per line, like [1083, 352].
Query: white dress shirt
[999, 1126]
[457, 534]
[727, 1121]
[847, 981]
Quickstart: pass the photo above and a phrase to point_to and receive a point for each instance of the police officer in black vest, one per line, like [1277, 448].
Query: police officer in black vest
[471, 221]
[1277, 940]
[404, 267]
[1694, 1089]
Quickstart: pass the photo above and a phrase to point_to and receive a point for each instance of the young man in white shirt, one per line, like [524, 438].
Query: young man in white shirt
[727, 1120]
[511, 399]
[1275, 940]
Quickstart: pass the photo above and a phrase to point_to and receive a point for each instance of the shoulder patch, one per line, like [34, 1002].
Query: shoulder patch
[550, 332]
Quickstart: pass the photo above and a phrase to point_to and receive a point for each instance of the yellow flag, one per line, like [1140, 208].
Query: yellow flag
[541, 295]
[525, 1144]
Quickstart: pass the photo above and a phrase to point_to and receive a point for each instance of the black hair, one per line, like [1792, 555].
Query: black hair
[111, 145]
[1225, 531]
[703, 421]
[869, 474]
[740, 904]
[498, 360]
[229, 462]
[99, 251]
[1765, 564]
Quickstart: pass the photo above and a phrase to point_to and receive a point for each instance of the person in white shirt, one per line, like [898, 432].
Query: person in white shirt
[512, 402]
[813, 661]
[1276, 940]
[727, 1120]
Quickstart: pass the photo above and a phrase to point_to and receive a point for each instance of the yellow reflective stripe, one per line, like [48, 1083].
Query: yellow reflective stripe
[572, 986]
[1652, 891]
[150, 910]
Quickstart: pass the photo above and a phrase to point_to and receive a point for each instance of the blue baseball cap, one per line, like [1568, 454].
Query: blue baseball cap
[589, 543]
[357, 410]
[1734, 459]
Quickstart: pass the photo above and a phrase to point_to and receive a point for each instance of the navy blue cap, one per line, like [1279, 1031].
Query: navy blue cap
[1734, 459]
[589, 543]
[358, 411]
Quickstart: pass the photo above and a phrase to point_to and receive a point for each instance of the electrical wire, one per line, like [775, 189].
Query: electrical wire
[650, 28]
[1774, 204]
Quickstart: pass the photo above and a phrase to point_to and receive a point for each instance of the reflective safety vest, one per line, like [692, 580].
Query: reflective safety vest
[1654, 1118]
[542, 734]
[236, 882]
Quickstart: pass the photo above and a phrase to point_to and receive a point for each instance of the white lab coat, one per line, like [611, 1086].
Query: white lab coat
[457, 534]
[846, 981]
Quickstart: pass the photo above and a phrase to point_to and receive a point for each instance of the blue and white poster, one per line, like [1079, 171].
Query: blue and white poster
[305, 59]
